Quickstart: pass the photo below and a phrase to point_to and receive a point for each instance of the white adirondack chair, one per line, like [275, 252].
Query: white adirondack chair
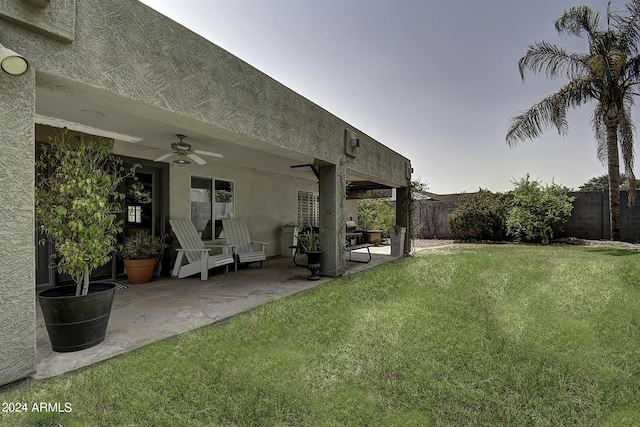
[198, 259]
[237, 234]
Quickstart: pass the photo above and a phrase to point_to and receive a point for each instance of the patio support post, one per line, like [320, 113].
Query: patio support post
[333, 192]
[17, 249]
[403, 215]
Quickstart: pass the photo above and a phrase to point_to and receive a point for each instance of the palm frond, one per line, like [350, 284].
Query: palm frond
[577, 20]
[529, 124]
[553, 61]
[551, 111]
[628, 26]
[600, 133]
[633, 70]
[626, 130]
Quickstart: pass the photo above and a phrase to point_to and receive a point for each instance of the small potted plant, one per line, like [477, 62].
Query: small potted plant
[310, 244]
[140, 254]
[77, 202]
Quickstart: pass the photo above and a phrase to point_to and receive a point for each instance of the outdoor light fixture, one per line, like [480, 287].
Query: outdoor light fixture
[408, 170]
[11, 62]
[351, 142]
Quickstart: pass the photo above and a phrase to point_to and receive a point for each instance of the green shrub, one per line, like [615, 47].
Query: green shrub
[376, 214]
[537, 210]
[479, 216]
[141, 246]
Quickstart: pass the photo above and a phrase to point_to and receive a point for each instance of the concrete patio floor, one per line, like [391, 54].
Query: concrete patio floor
[166, 307]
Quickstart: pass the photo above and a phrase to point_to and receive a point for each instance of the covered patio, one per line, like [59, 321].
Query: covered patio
[119, 71]
[163, 308]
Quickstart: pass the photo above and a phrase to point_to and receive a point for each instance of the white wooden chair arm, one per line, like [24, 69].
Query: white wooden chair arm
[225, 248]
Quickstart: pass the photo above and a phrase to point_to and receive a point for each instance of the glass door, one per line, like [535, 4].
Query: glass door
[139, 204]
[145, 204]
[144, 209]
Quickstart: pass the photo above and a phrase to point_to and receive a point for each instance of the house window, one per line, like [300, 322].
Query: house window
[138, 199]
[134, 214]
[308, 208]
[212, 200]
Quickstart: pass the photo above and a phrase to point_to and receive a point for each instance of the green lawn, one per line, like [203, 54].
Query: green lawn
[486, 335]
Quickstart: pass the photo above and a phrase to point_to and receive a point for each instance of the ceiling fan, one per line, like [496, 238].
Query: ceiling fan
[182, 150]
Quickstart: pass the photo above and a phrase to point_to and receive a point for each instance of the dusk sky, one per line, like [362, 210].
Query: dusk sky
[436, 81]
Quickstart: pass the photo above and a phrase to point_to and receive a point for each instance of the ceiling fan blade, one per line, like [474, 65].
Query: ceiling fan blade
[209, 153]
[196, 159]
[166, 156]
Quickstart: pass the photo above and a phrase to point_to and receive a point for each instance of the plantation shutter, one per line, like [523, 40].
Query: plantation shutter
[308, 209]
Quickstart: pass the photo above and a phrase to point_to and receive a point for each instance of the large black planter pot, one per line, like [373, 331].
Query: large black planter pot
[76, 322]
[313, 264]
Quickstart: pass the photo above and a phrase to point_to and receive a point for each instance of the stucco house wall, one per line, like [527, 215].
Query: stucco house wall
[17, 255]
[141, 58]
[264, 199]
[124, 57]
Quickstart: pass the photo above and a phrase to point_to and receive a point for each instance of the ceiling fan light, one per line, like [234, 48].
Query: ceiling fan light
[181, 162]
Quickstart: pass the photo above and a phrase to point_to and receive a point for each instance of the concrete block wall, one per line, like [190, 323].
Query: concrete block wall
[589, 218]
[431, 219]
[629, 220]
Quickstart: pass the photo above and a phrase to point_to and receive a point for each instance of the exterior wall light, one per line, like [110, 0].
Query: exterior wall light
[12, 63]
[351, 142]
[408, 170]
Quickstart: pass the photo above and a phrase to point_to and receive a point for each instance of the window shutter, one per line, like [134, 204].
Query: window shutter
[308, 209]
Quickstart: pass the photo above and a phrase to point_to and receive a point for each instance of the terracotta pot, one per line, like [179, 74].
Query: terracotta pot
[140, 270]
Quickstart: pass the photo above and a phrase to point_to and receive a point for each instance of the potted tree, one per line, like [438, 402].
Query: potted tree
[140, 254]
[310, 244]
[77, 200]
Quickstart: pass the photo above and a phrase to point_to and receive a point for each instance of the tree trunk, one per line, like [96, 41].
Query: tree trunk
[85, 288]
[613, 164]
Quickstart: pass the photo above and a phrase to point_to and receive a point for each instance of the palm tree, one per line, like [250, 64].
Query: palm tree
[607, 74]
